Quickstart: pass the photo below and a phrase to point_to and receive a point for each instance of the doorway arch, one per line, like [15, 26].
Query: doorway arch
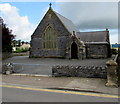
[74, 51]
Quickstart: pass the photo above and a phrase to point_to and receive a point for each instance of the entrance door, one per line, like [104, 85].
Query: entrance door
[74, 51]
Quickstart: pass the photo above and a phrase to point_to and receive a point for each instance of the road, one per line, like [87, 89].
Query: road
[32, 94]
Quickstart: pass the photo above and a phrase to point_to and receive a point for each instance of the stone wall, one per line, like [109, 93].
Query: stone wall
[118, 68]
[6, 55]
[112, 78]
[62, 38]
[96, 50]
[80, 71]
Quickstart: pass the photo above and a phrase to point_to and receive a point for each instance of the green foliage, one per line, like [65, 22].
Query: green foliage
[119, 51]
[114, 51]
[7, 38]
[34, 57]
[20, 50]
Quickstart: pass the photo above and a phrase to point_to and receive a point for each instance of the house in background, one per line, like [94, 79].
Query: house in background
[21, 45]
[57, 36]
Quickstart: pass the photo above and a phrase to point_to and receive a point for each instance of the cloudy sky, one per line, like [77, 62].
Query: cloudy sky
[23, 17]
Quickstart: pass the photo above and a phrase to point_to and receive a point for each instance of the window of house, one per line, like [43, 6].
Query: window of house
[49, 38]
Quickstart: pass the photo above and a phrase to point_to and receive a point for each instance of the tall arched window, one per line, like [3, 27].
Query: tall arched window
[49, 38]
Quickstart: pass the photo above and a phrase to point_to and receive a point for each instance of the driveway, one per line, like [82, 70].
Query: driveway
[43, 66]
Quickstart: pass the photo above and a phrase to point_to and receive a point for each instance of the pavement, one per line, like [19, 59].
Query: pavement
[37, 72]
[70, 83]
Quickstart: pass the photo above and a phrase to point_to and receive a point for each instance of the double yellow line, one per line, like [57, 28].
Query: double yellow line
[64, 92]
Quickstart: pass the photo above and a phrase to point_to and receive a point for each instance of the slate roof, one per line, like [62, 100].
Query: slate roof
[93, 37]
[88, 37]
[67, 23]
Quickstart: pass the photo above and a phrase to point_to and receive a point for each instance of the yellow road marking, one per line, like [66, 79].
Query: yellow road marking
[65, 92]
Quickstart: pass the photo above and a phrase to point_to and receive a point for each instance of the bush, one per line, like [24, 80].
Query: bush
[19, 50]
[114, 51]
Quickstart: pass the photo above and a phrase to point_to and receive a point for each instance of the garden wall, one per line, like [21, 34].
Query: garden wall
[80, 71]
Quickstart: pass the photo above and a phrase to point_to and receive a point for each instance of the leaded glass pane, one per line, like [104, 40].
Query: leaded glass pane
[49, 39]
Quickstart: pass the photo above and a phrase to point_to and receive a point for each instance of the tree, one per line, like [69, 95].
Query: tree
[19, 43]
[7, 37]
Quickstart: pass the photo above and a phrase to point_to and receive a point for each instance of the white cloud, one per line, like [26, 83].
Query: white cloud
[114, 39]
[114, 36]
[20, 25]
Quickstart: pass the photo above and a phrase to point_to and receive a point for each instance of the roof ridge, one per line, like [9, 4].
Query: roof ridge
[91, 31]
[63, 16]
[69, 25]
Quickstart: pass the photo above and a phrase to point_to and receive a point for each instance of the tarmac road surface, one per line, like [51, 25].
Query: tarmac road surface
[30, 94]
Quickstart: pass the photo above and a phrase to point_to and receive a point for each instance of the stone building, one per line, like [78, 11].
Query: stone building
[57, 36]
